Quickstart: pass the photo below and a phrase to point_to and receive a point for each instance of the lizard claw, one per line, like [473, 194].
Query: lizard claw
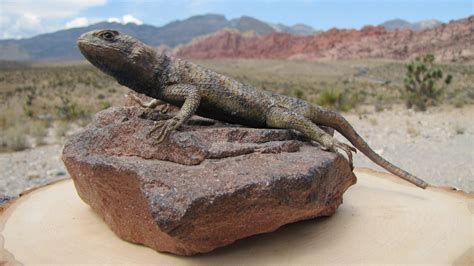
[348, 150]
[335, 144]
[164, 108]
[165, 127]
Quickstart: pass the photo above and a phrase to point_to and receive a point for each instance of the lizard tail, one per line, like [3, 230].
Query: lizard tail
[339, 123]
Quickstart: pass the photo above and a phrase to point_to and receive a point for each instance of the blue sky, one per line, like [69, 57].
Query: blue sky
[26, 18]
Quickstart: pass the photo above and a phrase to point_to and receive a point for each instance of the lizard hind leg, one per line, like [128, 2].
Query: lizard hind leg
[280, 117]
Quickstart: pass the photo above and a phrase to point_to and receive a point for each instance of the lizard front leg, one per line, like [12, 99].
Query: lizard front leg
[178, 92]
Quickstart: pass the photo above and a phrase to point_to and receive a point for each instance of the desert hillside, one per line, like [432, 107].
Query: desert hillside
[448, 42]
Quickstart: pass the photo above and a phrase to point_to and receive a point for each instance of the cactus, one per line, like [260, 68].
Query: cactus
[424, 83]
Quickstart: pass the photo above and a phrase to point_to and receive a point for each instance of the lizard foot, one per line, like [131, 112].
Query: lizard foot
[165, 127]
[163, 107]
[333, 145]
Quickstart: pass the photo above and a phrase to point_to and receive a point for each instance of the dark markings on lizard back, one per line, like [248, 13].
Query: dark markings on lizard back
[209, 94]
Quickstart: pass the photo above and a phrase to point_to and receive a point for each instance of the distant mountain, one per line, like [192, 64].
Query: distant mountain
[297, 29]
[61, 45]
[246, 23]
[400, 24]
[448, 42]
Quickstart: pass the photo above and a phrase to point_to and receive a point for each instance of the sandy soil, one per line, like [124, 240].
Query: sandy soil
[30, 168]
[437, 146]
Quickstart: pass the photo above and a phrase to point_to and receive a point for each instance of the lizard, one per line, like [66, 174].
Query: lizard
[198, 90]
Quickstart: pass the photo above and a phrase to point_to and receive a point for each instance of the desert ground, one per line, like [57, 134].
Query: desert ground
[42, 104]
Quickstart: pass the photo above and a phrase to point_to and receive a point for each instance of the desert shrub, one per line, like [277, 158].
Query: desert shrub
[13, 139]
[68, 110]
[3, 121]
[299, 93]
[62, 129]
[338, 99]
[38, 129]
[29, 99]
[461, 96]
[105, 104]
[27, 107]
[330, 97]
[459, 129]
[424, 83]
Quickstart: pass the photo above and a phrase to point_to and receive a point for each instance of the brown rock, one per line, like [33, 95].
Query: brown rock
[208, 185]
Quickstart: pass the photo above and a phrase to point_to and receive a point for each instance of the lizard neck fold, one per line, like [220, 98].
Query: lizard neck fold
[148, 74]
[161, 71]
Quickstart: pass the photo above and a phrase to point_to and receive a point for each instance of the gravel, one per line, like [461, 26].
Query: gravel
[437, 146]
[29, 169]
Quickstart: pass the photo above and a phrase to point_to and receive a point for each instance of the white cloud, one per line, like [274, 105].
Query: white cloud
[131, 19]
[4, 20]
[125, 19]
[85, 21]
[24, 24]
[113, 19]
[80, 22]
[28, 21]
[24, 18]
[48, 8]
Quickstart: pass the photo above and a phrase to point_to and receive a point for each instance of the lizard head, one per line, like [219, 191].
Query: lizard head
[125, 58]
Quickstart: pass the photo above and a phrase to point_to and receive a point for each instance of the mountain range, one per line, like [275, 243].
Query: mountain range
[61, 45]
[400, 24]
[174, 36]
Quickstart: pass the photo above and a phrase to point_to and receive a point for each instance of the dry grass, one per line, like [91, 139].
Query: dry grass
[35, 98]
[375, 82]
[38, 98]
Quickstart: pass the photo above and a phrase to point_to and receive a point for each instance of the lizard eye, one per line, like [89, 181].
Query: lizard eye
[108, 35]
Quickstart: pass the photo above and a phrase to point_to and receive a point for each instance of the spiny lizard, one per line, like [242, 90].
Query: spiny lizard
[209, 94]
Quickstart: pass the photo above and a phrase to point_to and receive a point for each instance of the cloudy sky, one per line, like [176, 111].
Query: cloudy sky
[26, 18]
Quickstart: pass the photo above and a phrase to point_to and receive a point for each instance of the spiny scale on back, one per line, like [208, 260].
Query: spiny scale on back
[207, 93]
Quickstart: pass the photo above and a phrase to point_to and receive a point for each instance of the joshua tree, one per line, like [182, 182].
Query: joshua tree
[424, 82]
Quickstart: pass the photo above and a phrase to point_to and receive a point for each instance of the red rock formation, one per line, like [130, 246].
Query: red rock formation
[449, 42]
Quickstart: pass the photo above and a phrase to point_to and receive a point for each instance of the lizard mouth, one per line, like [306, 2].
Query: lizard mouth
[81, 44]
[85, 44]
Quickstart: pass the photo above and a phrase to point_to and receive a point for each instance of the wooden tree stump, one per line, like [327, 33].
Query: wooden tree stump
[382, 220]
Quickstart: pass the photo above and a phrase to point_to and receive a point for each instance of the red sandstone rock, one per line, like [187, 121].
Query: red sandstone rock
[448, 42]
[206, 186]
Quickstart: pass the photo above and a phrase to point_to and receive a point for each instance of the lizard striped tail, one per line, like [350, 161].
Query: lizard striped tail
[339, 123]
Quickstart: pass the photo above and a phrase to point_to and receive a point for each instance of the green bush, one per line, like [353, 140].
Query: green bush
[68, 110]
[105, 104]
[330, 97]
[338, 99]
[299, 93]
[30, 97]
[424, 83]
